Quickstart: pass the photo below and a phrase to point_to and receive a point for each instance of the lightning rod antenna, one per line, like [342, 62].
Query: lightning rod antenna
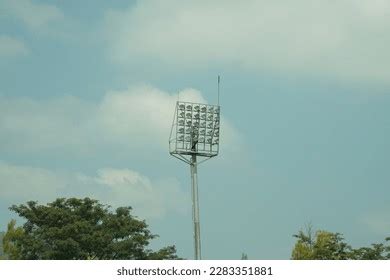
[219, 80]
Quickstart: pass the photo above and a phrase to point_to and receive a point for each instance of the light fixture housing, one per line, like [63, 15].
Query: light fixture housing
[187, 136]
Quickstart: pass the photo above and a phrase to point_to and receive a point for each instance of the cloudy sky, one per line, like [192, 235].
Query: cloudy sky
[88, 89]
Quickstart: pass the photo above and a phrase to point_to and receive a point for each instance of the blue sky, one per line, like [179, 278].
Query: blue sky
[87, 93]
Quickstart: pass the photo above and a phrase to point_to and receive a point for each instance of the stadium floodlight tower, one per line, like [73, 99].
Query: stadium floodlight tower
[195, 133]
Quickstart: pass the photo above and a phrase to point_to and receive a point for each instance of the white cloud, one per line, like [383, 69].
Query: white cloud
[134, 120]
[141, 115]
[151, 199]
[344, 39]
[33, 15]
[117, 187]
[10, 47]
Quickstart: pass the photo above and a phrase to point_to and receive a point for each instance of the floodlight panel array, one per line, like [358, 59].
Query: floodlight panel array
[196, 129]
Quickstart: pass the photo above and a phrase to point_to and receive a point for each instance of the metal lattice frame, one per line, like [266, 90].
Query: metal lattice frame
[195, 130]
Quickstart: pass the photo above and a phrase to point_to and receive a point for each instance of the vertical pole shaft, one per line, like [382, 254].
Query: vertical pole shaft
[195, 207]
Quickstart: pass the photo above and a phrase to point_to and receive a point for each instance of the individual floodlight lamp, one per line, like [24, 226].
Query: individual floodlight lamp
[195, 133]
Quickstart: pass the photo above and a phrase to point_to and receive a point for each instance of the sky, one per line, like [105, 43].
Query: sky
[88, 91]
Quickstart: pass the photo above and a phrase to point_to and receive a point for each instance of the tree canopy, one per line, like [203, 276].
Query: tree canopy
[324, 245]
[2, 256]
[80, 229]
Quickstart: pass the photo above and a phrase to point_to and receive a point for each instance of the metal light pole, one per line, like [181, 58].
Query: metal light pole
[195, 207]
[195, 133]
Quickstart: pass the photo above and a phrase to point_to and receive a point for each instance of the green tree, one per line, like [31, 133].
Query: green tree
[12, 233]
[379, 251]
[330, 246]
[2, 256]
[244, 256]
[326, 245]
[303, 249]
[80, 229]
